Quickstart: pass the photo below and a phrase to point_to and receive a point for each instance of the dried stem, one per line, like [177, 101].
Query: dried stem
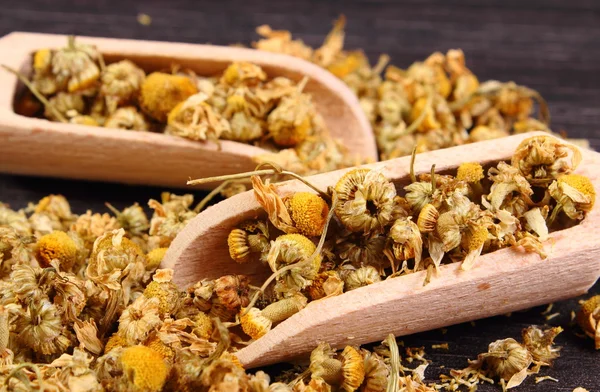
[433, 179]
[413, 178]
[210, 196]
[36, 93]
[258, 172]
[394, 379]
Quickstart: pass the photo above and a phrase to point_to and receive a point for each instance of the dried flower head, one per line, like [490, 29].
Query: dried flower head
[427, 219]
[127, 118]
[363, 250]
[232, 291]
[144, 368]
[256, 323]
[121, 83]
[407, 241]
[69, 105]
[138, 319]
[574, 194]
[308, 211]
[113, 251]
[41, 328]
[366, 200]
[161, 92]
[291, 121]
[508, 359]
[588, 319]
[542, 159]
[203, 326]
[154, 258]
[540, 343]
[75, 66]
[195, 119]
[115, 341]
[294, 250]
[243, 73]
[326, 284]
[360, 277]
[376, 373]
[56, 246]
[167, 294]
[250, 237]
[347, 373]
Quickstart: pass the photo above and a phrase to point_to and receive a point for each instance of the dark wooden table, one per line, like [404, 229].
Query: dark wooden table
[549, 45]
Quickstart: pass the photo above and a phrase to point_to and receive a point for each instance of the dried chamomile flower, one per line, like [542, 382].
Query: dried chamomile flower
[481, 133]
[541, 159]
[90, 226]
[273, 204]
[363, 250]
[291, 121]
[154, 258]
[169, 218]
[232, 291]
[250, 237]
[243, 73]
[540, 344]
[376, 373]
[156, 344]
[296, 252]
[346, 372]
[507, 359]
[407, 241]
[195, 119]
[17, 220]
[121, 83]
[144, 368]
[30, 282]
[203, 326]
[75, 65]
[280, 41]
[256, 323]
[40, 328]
[166, 292]
[43, 79]
[133, 219]
[588, 319]
[56, 246]
[510, 190]
[113, 251]
[366, 201]
[427, 218]
[326, 284]
[333, 44]
[138, 319]
[161, 92]
[127, 118]
[535, 220]
[51, 213]
[69, 105]
[363, 276]
[114, 342]
[308, 211]
[574, 194]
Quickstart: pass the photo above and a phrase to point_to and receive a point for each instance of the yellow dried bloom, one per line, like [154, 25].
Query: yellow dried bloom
[347, 372]
[41, 329]
[144, 368]
[67, 104]
[75, 65]
[161, 92]
[294, 249]
[481, 133]
[121, 83]
[376, 373]
[360, 277]
[540, 343]
[243, 73]
[203, 326]
[195, 119]
[42, 60]
[291, 121]
[470, 172]
[361, 250]
[508, 359]
[407, 241]
[154, 258]
[157, 345]
[56, 245]
[366, 200]
[91, 226]
[588, 319]
[113, 251]
[127, 118]
[138, 319]
[427, 219]
[239, 249]
[256, 323]
[429, 122]
[115, 341]
[575, 195]
[167, 294]
[326, 284]
[540, 159]
[309, 213]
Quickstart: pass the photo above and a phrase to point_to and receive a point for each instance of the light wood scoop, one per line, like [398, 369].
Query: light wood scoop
[34, 146]
[500, 282]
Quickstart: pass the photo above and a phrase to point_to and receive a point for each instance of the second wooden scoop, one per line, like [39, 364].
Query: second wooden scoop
[39, 147]
[500, 282]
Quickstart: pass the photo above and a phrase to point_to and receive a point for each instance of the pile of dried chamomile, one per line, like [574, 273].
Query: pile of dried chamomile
[83, 306]
[74, 85]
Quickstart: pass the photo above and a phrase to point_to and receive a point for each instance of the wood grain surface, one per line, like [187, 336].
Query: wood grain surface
[549, 45]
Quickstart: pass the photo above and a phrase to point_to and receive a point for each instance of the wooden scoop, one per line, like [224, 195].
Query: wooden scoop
[39, 147]
[500, 282]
